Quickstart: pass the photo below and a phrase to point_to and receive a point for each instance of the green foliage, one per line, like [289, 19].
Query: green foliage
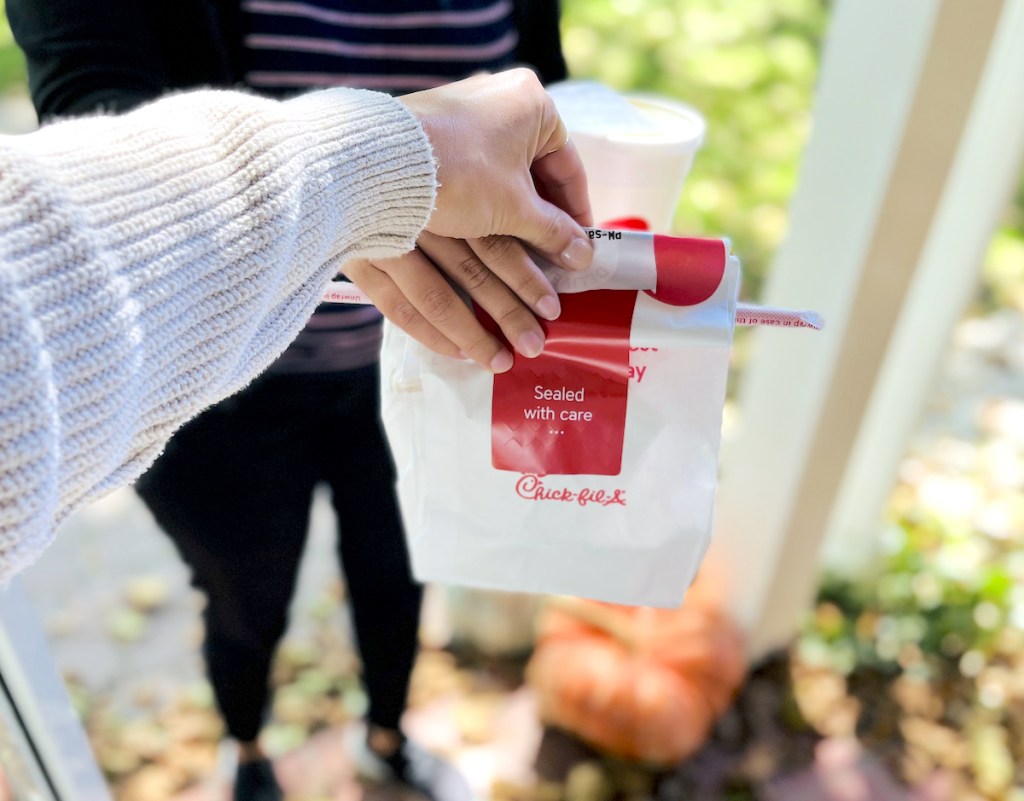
[940, 601]
[748, 67]
[1003, 270]
[12, 63]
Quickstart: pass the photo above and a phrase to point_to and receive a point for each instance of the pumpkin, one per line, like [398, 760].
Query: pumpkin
[640, 683]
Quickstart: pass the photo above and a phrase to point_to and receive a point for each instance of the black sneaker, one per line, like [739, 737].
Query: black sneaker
[255, 781]
[425, 772]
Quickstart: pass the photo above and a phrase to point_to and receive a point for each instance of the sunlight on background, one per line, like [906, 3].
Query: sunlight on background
[922, 658]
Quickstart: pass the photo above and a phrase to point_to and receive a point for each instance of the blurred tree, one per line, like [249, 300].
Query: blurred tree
[12, 63]
[748, 67]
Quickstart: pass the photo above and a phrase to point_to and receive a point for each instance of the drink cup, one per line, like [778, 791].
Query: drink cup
[637, 149]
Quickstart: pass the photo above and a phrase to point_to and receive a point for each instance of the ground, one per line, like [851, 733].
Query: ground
[125, 629]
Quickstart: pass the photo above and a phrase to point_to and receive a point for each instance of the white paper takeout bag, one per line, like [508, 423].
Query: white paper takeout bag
[592, 469]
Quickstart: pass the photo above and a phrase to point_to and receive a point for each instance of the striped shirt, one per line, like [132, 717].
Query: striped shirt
[387, 45]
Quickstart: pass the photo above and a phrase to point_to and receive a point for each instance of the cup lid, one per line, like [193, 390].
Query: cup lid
[667, 122]
[594, 111]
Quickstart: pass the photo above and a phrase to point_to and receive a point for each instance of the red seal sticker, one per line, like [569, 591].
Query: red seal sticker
[689, 270]
[564, 412]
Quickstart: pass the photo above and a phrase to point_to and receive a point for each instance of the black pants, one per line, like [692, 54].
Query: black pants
[233, 490]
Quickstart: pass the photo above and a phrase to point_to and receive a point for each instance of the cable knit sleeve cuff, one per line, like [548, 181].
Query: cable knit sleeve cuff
[386, 163]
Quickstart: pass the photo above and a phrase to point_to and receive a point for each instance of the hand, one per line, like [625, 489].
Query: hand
[505, 165]
[413, 292]
[506, 169]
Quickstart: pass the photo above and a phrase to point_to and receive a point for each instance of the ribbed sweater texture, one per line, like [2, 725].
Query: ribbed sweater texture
[154, 263]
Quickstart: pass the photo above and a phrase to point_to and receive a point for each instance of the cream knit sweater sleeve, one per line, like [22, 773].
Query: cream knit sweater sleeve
[154, 263]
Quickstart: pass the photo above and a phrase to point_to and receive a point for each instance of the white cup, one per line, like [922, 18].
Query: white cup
[637, 149]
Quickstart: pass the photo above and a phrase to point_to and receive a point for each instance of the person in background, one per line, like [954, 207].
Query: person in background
[234, 488]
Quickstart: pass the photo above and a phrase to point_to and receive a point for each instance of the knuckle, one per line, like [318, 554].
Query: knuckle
[553, 232]
[525, 285]
[498, 248]
[513, 318]
[483, 348]
[525, 77]
[404, 315]
[439, 304]
[472, 273]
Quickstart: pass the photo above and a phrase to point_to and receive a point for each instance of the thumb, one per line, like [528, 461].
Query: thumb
[552, 232]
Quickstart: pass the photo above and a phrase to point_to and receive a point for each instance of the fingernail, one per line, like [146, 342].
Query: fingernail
[529, 344]
[501, 363]
[549, 307]
[578, 255]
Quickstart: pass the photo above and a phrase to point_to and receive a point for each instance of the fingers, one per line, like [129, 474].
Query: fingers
[500, 277]
[557, 203]
[558, 169]
[559, 136]
[550, 231]
[411, 293]
[397, 307]
[506, 258]
[496, 272]
[560, 178]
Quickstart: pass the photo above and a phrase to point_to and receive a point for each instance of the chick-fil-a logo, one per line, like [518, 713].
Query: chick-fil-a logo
[532, 488]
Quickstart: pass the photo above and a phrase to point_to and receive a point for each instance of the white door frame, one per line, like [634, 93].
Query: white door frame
[907, 118]
[55, 757]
